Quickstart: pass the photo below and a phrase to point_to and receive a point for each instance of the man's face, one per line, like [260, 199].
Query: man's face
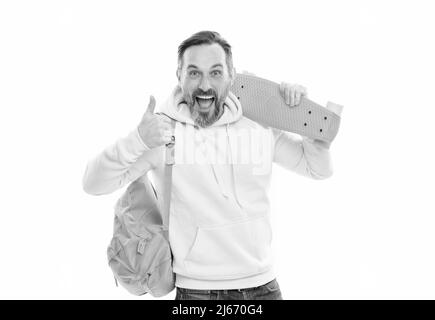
[205, 82]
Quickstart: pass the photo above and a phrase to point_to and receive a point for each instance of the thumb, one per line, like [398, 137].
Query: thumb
[151, 105]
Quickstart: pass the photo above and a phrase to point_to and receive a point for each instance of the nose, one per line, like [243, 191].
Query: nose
[204, 85]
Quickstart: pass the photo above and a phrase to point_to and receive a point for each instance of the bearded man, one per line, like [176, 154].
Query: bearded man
[219, 230]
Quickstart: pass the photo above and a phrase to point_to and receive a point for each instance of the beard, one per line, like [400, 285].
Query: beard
[206, 119]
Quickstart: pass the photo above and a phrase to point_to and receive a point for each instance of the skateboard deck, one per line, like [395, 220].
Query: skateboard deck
[262, 102]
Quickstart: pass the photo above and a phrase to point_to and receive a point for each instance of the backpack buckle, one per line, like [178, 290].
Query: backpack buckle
[170, 152]
[141, 246]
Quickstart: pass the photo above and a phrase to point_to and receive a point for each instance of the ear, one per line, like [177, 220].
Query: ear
[178, 74]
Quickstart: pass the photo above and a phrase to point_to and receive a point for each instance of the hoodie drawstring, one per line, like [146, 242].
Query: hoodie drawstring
[217, 176]
[232, 167]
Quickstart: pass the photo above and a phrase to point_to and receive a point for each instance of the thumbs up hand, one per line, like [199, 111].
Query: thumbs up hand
[155, 130]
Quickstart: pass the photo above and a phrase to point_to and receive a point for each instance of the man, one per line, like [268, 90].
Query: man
[219, 228]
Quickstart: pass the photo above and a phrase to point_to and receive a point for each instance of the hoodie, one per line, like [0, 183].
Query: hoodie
[219, 223]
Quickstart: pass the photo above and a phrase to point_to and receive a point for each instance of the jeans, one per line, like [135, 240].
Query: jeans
[268, 291]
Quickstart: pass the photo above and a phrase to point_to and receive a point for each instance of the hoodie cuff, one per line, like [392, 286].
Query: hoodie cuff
[319, 143]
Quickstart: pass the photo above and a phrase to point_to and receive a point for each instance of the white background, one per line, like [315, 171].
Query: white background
[76, 75]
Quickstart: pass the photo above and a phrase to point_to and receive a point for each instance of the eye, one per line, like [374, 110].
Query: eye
[216, 73]
[193, 73]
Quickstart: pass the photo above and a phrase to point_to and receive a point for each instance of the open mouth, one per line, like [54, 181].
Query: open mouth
[204, 102]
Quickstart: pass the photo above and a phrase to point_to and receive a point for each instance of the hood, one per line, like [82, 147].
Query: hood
[176, 108]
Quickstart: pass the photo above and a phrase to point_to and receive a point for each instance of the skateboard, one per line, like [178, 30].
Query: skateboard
[262, 102]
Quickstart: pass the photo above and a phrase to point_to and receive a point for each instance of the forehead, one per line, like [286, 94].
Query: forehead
[204, 56]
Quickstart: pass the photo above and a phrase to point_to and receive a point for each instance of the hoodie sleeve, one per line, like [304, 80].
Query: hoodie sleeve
[124, 161]
[302, 155]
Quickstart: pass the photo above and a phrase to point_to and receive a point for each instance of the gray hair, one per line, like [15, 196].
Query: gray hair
[205, 37]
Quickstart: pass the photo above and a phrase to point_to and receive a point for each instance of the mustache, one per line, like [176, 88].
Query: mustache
[202, 93]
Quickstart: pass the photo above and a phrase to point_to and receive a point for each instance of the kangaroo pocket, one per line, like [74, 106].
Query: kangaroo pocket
[230, 251]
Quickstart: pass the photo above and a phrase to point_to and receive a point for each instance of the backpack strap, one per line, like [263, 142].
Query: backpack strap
[167, 182]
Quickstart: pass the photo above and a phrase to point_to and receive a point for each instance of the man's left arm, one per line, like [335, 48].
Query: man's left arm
[300, 154]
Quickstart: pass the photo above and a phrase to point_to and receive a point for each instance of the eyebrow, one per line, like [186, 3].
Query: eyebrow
[213, 66]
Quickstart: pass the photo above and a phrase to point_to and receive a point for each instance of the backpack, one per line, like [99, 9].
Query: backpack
[139, 253]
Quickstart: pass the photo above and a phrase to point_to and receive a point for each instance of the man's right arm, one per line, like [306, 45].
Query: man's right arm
[130, 157]
[117, 165]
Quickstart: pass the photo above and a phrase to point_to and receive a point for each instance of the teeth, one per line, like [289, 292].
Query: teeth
[205, 97]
